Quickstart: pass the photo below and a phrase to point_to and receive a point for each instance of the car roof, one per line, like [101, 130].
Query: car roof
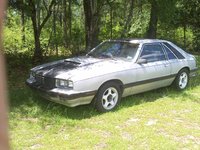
[140, 41]
[143, 41]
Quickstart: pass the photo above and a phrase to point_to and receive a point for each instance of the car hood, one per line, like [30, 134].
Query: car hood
[79, 68]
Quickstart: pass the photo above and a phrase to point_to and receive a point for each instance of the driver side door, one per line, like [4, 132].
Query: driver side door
[152, 74]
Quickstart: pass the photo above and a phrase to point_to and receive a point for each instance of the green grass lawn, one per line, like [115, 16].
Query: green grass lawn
[159, 119]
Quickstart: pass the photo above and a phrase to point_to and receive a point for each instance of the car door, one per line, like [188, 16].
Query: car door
[157, 65]
[156, 71]
[150, 74]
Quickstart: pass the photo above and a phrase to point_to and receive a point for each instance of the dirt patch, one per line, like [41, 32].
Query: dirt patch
[32, 120]
[36, 146]
[181, 139]
[126, 136]
[151, 122]
[100, 146]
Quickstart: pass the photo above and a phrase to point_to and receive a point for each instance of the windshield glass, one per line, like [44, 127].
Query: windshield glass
[113, 49]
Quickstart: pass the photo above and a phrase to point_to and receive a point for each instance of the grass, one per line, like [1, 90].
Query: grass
[159, 119]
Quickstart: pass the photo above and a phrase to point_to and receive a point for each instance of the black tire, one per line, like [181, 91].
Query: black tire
[110, 101]
[182, 79]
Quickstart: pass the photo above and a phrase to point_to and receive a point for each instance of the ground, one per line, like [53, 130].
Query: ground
[159, 119]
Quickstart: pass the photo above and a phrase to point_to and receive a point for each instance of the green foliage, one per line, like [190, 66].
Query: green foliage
[12, 40]
[140, 22]
[187, 14]
[12, 35]
[173, 16]
[196, 41]
[166, 10]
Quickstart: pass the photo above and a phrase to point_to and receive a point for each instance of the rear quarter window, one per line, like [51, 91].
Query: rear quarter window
[169, 53]
[175, 51]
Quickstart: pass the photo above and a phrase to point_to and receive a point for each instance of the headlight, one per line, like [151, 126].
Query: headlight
[60, 83]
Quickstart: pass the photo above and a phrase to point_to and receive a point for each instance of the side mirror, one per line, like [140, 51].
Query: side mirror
[142, 61]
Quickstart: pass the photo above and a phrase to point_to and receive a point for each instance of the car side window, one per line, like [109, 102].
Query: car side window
[170, 55]
[175, 51]
[152, 53]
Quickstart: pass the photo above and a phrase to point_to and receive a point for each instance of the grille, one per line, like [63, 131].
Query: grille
[39, 79]
[45, 82]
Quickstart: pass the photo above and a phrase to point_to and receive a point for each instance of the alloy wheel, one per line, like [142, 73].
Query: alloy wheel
[110, 98]
[183, 80]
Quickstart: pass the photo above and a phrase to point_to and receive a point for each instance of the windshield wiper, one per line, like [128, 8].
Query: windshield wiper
[90, 54]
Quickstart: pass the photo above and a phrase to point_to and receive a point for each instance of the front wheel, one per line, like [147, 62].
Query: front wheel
[182, 79]
[108, 97]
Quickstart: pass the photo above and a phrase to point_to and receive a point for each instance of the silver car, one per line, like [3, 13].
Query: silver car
[112, 70]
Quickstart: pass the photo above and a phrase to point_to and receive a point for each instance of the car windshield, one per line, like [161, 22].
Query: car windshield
[113, 49]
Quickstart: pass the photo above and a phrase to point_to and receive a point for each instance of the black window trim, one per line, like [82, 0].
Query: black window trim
[154, 43]
[163, 45]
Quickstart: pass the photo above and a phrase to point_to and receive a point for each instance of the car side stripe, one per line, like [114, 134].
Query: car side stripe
[148, 81]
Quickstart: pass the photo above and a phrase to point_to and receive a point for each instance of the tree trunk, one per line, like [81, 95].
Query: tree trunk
[37, 53]
[38, 13]
[55, 29]
[61, 14]
[91, 23]
[65, 23]
[111, 18]
[23, 25]
[128, 21]
[140, 6]
[37, 27]
[111, 22]
[184, 35]
[70, 21]
[152, 28]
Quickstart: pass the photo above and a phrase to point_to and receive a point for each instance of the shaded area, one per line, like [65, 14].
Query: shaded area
[24, 101]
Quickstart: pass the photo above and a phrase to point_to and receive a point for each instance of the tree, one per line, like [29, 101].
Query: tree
[70, 20]
[162, 11]
[37, 24]
[92, 20]
[23, 23]
[152, 28]
[127, 24]
[32, 9]
[65, 23]
[71, 25]
[189, 12]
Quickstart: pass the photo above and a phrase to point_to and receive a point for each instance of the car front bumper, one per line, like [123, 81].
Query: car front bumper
[66, 97]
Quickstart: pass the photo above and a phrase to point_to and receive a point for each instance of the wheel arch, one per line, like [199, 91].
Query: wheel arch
[176, 80]
[116, 81]
[121, 85]
[186, 67]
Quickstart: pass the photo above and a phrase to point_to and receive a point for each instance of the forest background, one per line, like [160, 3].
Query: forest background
[36, 29]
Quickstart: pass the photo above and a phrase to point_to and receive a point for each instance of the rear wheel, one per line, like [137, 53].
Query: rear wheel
[108, 97]
[182, 79]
